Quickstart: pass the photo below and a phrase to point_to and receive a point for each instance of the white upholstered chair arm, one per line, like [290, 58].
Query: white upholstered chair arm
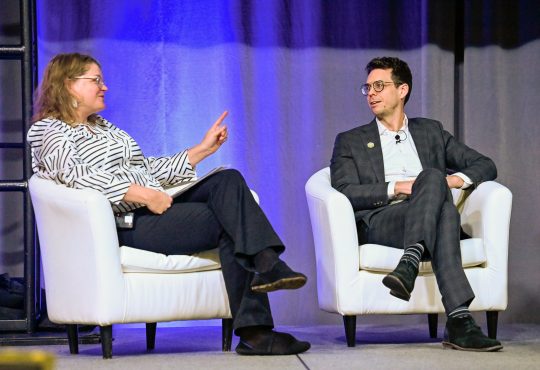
[335, 238]
[84, 216]
[255, 196]
[486, 215]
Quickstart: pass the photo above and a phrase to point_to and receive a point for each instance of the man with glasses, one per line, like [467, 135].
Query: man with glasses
[393, 171]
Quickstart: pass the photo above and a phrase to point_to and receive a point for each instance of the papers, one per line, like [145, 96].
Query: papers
[182, 186]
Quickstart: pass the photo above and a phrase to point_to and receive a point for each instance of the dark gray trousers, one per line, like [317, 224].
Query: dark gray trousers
[428, 216]
[218, 212]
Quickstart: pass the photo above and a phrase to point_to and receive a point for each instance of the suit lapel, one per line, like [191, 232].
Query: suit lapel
[371, 143]
[420, 138]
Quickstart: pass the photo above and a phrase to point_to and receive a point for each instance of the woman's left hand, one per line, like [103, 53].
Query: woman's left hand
[212, 141]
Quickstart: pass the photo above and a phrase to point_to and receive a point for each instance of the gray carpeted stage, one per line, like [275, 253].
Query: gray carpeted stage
[378, 347]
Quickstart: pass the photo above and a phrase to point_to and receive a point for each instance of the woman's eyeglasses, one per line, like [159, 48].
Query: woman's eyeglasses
[97, 80]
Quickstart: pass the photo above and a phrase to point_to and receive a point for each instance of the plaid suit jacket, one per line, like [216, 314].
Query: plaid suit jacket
[357, 166]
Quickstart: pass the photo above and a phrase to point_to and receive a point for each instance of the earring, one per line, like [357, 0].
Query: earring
[74, 103]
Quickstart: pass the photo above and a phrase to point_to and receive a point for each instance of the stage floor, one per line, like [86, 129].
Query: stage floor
[377, 347]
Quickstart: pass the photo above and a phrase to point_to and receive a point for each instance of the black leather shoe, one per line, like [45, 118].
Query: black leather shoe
[401, 280]
[279, 277]
[273, 344]
[463, 334]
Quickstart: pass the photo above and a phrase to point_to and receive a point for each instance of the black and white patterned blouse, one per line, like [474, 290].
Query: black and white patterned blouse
[102, 157]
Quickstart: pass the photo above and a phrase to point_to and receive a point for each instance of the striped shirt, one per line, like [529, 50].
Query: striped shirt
[101, 157]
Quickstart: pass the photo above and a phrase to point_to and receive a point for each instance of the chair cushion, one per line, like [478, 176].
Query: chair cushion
[380, 258]
[138, 260]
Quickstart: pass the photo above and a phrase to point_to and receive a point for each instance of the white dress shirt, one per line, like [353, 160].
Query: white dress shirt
[400, 157]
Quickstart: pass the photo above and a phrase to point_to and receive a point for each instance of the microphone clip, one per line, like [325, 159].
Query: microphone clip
[399, 138]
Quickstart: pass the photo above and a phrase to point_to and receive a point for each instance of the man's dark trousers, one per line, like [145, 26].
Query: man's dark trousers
[430, 217]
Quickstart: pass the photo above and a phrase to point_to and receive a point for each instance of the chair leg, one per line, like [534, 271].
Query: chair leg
[73, 338]
[150, 335]
[106, 340]
[433, 319]
[350, 329]
[492, 318]
[226, 334]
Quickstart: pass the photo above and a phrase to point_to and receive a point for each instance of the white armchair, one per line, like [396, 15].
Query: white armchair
[349, 275]
[90, 279]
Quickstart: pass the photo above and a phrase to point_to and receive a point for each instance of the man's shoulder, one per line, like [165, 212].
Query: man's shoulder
[428, 122]
[358, 129]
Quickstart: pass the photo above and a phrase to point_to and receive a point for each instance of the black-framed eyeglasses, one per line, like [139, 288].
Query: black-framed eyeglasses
[97, 80]
[378, 86]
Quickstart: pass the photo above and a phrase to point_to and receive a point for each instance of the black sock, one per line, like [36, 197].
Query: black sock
[253, 335]
[460, 311]
[413, 254]
[265, 260]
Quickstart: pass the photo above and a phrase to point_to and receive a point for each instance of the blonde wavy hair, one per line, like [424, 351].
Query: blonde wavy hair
[52, 97]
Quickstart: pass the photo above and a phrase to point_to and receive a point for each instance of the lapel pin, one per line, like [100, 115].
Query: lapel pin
[370, 145]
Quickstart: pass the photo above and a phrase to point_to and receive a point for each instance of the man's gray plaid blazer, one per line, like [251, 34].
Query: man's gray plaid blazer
[429, 215]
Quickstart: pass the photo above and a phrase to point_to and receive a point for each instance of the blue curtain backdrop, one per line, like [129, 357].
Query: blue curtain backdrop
[289, 73]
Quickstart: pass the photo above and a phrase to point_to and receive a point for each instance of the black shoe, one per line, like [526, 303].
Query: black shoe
[279, 277]
[401, 280]
[273, 344]
[462, 333]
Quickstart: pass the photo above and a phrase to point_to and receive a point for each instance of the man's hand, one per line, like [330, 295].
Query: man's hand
[454, 182]
[403, 187]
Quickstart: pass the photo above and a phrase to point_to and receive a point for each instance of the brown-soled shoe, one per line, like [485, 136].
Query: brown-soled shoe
[401, 280]
[279, 277]
[463, 334]
[273, 344]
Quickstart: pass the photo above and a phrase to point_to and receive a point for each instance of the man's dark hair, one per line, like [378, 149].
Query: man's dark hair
[401, 74]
